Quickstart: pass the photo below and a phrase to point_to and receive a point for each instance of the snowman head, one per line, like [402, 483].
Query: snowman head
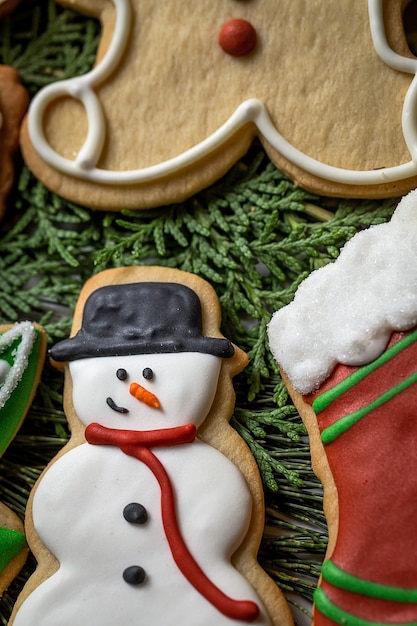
[145, 392]
[140, 359]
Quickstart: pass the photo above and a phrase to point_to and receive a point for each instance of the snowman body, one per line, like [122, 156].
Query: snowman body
[79, 507]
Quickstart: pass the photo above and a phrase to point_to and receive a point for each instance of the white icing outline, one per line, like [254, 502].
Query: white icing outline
[252, 110]
[26, 331]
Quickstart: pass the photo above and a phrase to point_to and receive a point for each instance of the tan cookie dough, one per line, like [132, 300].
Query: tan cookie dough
[171, 101]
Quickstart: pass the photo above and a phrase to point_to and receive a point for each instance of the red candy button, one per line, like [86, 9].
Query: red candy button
[237, 37]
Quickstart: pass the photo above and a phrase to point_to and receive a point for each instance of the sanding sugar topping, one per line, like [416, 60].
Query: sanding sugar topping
[346, 311]
[13, 375]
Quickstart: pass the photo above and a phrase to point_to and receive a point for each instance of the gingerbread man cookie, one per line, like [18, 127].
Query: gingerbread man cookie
[22, 354]
[347, 346]
[153, 513]
[177, 96]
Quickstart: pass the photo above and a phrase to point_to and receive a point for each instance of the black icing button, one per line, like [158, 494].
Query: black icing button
[134, 575]
[135, 513]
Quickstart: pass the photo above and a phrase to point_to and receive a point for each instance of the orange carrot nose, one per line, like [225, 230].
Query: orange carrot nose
[142, 394]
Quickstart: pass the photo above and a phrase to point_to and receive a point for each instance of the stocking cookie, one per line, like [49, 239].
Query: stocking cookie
[348, 352]
[152, 514]
[22, 353]
[177, 96]
[13, 104]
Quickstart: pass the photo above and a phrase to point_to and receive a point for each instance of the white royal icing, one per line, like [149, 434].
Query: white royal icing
[346, 311]
[252, 110]
[78, 504]
[184, 383]
[11, 375]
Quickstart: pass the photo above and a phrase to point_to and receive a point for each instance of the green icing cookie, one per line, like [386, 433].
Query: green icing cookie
[22, 351]
[12, 542]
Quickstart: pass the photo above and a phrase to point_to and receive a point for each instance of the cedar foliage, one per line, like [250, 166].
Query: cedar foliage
[253, 235]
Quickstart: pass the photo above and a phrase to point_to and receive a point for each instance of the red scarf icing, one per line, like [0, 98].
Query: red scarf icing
[138, 444]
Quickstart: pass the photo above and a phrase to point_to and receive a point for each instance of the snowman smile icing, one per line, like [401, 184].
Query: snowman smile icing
[119, 409]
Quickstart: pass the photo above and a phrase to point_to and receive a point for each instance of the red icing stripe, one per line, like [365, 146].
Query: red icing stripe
[368, 389]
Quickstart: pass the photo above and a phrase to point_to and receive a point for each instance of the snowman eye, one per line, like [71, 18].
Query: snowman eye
[121, 374]
[147, 373]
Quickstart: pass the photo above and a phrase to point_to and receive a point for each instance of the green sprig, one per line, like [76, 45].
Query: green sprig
[254, 235]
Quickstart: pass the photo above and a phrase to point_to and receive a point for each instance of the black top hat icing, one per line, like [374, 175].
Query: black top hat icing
[140, 318]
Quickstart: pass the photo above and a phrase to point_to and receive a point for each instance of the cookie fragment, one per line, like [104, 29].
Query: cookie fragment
[13, 103]
[22, 355]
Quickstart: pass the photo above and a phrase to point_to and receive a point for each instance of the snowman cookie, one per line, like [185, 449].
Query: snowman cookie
[22, 354]
[177, 95]
[152, 514]
[347, 347]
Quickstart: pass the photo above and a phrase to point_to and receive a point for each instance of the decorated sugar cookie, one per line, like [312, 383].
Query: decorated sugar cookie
[13, 104]
[348, 352]
[22, 353]
[153, 512]
[7, 6]
[177, 96]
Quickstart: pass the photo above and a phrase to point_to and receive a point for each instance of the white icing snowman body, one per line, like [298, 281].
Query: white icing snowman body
[79, 508]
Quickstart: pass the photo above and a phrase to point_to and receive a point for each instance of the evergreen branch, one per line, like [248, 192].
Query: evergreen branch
[253, 235]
